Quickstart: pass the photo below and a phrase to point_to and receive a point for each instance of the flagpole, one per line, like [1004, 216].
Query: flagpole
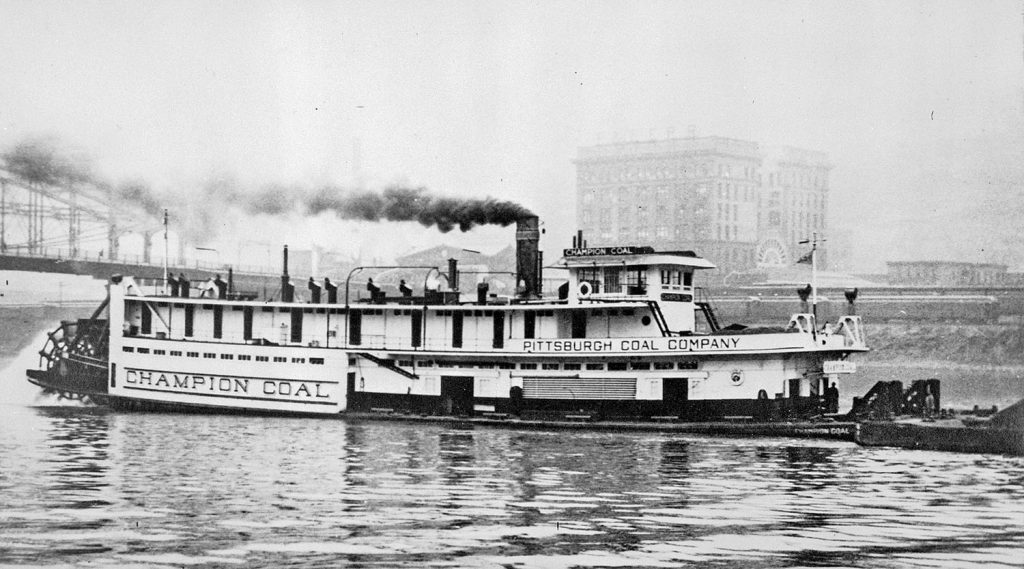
[814, 275]
[165, 251]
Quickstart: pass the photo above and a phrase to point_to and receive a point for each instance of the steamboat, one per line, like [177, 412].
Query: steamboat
[628, 337]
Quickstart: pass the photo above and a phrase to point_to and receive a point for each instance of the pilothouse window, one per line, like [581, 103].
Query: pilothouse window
[636, 280]
[591, 275]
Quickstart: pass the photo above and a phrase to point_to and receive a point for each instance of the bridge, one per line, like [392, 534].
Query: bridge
[59, 224]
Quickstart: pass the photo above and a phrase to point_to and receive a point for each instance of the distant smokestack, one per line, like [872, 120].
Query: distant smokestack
[528, 256]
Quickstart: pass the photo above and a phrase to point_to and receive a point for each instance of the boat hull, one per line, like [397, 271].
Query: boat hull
[930, 436]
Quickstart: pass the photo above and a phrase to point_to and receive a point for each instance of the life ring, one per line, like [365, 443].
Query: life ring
[584, 289]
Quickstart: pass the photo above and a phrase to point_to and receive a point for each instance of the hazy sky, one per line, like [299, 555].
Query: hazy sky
[918, 104]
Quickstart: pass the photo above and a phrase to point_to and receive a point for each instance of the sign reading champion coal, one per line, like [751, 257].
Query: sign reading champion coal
[228, 386]
[599, 251]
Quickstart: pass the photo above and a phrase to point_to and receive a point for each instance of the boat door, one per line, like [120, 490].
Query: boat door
[675, 392]
[456, 395]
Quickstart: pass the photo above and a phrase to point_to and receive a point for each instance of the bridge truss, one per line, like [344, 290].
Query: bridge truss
[68, 221]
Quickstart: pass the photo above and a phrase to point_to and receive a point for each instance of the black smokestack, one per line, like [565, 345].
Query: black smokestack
[528, 270]
[287, 288]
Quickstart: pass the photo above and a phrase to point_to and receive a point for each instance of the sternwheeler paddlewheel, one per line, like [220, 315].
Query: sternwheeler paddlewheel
[69, 396]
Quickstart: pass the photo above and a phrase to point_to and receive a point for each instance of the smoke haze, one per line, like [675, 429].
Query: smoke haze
[918, 104]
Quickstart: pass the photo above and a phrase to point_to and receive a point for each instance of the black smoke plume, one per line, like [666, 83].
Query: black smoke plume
[40, 160]
[199, 215]
[398, 203]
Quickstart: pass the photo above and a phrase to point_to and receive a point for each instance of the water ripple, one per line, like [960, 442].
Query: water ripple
[81, 487]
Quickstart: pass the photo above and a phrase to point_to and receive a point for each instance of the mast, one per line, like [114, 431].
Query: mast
[814, 274]
[813, 257]
[165, 251]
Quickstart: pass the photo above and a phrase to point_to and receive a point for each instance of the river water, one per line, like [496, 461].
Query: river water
[85, 487]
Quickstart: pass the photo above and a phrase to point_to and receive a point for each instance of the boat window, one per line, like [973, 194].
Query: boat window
[175, 353]
[550, 366]
[506, 365]
[527, 366]
[571, 366]
[636, 279]
[128, 349]
[192, 354]
[210, 356]
[640, 365]
[280, 360]
[298, 360]
[262, 358]
[590, 275]
[664, 365]
[688, 365]
[612, 279]
[665, 276]
[316, 361]
[227, 356]
[616, 366]
[244, 357]
[159, 352]
[594, 367]
[143, 350]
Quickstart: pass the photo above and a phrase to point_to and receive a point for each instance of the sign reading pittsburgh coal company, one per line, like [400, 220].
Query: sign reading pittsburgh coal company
[633, 345]
[228, 386]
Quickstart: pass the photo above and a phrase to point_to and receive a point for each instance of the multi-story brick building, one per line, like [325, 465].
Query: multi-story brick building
[793, 205]
[704, 194]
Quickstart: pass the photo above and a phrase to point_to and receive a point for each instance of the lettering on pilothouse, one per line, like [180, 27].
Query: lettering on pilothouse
[632, 345]
[257, 388]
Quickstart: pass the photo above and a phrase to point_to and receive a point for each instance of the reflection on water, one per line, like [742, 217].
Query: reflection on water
[98, 489]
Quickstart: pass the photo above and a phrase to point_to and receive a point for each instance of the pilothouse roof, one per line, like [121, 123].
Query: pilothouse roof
[630, 256]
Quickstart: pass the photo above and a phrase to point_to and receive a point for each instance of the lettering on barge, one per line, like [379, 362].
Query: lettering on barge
[632, 345]
[228, 386]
